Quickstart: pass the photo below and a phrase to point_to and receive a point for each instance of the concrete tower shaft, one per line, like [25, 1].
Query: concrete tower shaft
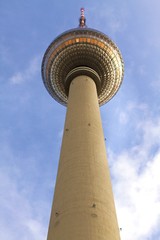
[83, 206]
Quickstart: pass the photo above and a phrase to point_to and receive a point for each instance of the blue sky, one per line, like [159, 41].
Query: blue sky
[32, 122]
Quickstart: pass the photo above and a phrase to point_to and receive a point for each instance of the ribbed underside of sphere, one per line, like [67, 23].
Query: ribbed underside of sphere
[82, 48]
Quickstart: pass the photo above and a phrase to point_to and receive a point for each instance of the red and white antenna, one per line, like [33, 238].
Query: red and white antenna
[82, 20]
[82, 12]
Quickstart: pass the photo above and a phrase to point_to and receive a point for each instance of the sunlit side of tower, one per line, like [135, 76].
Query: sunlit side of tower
[82, 69]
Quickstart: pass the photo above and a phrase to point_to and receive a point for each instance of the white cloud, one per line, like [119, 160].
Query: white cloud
[126, 114]
[60, 134]
[113, 19]
[123, 118]
[36, 229]
[138, 203]
[17, 213]
[19, 218]
[17, 78]
[142, 70]
[136, 180]
[28, 73]
[156, 84]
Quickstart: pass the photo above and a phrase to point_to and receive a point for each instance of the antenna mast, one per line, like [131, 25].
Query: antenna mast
[82, 20]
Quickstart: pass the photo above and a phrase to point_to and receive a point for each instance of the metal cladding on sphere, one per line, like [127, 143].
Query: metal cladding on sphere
[82, 47]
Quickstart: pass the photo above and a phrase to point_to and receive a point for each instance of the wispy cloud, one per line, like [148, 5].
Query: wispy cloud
[17, 208]
[136, 180]
[130, 109]
[156, 84]
[28, 73]
[17, 212]
[113, 19]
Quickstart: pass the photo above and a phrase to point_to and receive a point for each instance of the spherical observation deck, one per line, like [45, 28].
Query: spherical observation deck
[82, 51]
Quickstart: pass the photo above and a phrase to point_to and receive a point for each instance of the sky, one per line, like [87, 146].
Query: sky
[31, 122]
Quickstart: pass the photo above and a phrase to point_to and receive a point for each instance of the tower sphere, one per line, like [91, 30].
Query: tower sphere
[82, 51]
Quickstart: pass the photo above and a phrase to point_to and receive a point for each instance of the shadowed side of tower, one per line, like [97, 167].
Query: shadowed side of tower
[83, 68]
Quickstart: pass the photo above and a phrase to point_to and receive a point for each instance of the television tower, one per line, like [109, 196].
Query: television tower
[82, 69]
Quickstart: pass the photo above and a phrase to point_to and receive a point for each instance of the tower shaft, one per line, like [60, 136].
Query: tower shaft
[83, 206]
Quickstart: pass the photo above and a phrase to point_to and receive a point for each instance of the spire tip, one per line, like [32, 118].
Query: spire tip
[82, 20]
